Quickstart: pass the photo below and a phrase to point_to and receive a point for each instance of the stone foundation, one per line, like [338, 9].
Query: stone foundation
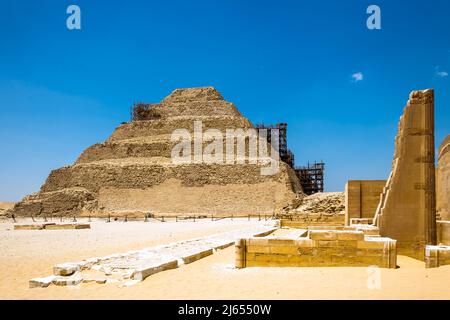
[321, 248]
[443, 232]
[436, 256]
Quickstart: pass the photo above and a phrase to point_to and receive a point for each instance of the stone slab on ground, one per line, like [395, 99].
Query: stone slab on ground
[130, 267]
[52, 226]
[34, 226]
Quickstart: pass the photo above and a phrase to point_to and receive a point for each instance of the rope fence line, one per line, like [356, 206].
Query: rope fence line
[147, 217]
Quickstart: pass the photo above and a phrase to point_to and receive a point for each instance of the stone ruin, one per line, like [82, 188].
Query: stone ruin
[443, 181]
[407, 209]
[382, 217]
[132, 173]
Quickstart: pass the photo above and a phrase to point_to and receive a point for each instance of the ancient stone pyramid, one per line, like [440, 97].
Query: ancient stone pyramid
[132, 172]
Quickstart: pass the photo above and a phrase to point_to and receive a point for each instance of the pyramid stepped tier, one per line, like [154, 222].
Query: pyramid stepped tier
[141, 173]
[169, 125]
[132, 172]
[146, 147]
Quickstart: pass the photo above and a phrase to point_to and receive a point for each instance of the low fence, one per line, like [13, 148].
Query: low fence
[147, 218]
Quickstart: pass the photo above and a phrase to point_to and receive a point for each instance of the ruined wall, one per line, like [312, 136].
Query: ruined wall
[443, 232]
[322, 248]
[443, 181]
[362, 198]
[407, 209]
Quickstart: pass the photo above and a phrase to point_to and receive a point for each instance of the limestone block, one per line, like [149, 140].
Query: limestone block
[67, 281]
[259, 249]
[305, 243]
[94, 279]
[152, 268]
[322, 235]
[36, 226]
[367, 221]
[443, 232]
[66, 269]
[197, 255]
[327, 243]
[41, 282]
[350, 235]
[68, 226]
[348, 243]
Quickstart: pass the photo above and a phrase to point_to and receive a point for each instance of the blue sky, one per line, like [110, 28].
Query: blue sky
[290, 61]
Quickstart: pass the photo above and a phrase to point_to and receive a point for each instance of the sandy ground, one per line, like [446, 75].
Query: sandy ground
[28, 254]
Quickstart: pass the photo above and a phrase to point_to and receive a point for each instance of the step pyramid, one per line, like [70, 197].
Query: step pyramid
[132, 172]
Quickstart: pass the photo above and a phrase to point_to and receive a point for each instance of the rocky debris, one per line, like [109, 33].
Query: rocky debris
[131, 267]
[5, 206]
[71, 200]
[322, 202]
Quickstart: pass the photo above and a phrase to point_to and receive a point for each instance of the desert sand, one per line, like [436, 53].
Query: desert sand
[32, 253]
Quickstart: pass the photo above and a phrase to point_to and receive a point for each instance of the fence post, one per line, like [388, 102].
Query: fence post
[231, 217]
[240, 253]
[74, 219]
[176, 218]
[259, 216]
[13, 217]
[109, 217]
[145, 218]
[194, 217]
[162, 220]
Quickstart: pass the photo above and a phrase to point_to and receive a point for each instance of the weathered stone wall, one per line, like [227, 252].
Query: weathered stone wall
[443, 181]
[443, 232]
[436, 256]
[407, 209]
[322, 248]
[171, 197]
[362, 198]
[142, 129]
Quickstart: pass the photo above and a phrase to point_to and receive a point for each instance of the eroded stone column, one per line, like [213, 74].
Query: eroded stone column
[407, 211]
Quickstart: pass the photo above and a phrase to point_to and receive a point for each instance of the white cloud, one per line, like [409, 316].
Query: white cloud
[442, 74]
[358, 76]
